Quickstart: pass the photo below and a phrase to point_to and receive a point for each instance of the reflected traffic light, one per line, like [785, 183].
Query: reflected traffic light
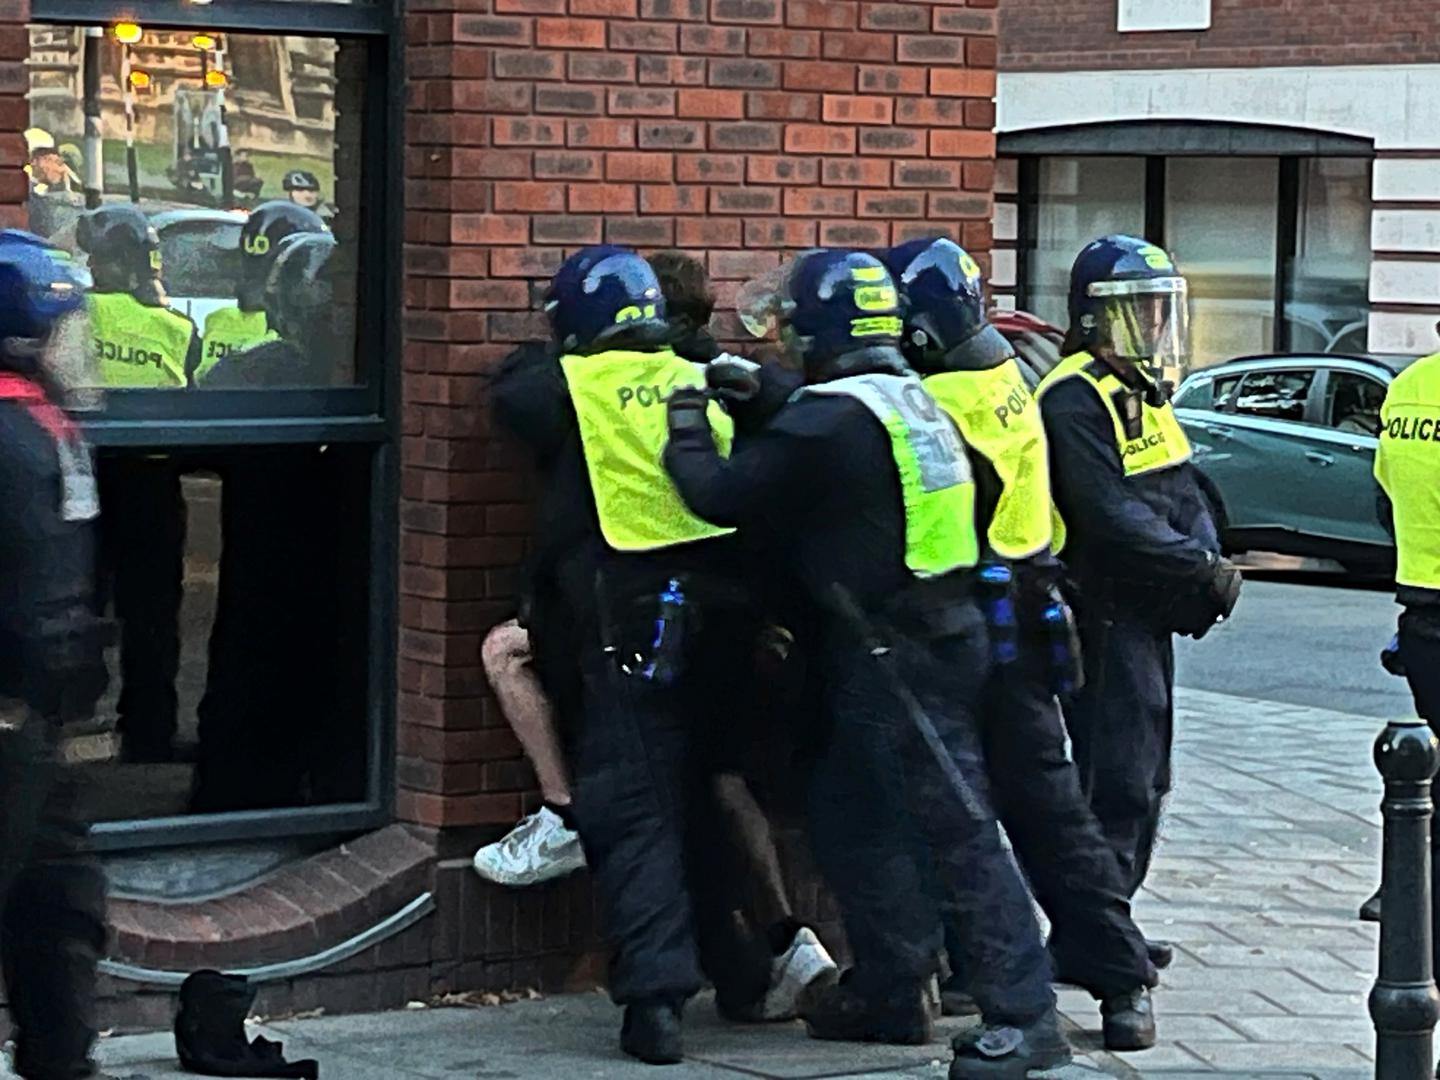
[140, 80]
[128, 33]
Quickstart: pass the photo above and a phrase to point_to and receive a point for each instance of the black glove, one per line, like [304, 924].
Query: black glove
[1218, 597]
[1390, 658]
[733, 379]
[686, 410]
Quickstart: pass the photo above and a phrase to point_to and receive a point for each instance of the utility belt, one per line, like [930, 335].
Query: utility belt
[1025, 607]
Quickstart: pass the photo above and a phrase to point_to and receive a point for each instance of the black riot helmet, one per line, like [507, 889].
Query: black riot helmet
[123, 247]
[260, 241]
[300, 290]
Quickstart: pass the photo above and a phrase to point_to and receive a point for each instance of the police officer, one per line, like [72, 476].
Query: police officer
[302, 188]
[51, 662]
[969, 367]
[863, 488]
[1135, 530]
[643, 578]
[234, 329]
[1407, 463]
[140, 343]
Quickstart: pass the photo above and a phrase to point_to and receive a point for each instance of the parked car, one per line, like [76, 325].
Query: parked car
[1036, 342]
[1289, 444]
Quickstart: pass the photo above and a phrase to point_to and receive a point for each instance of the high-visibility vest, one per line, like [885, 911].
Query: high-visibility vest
[138, 345]
[229, 330]
[936, 483]
[997, 415]
[1407, 464]
[1161, 442]
[619, 400]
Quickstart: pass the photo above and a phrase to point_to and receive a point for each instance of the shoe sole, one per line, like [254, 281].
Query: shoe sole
[1130, 1046]
[1001, 1069]
[501, 877]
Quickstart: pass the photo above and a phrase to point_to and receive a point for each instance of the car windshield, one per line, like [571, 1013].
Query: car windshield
[201, 259]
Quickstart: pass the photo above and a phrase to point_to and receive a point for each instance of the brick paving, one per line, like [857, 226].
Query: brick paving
[1269, 846]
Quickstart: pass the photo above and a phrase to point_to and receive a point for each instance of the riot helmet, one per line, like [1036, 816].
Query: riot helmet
[302, 188]
[1130, 305]
[836, 312]
[606, 297]
[300, 289]
[944, 295]
[260, 240]
[124, 251]
[44, 323]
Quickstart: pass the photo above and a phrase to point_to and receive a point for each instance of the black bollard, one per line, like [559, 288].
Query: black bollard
[1404, 1004]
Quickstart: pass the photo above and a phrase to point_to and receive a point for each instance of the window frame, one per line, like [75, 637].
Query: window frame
[1324, 399]
[367, 413]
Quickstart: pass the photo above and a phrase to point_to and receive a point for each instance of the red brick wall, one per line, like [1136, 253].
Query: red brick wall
[1038, 35]
[14, 111]
[731, 128]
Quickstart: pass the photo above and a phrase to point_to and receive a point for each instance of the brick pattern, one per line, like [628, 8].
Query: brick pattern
[14, 112]
[735, 129]
[1060, 35]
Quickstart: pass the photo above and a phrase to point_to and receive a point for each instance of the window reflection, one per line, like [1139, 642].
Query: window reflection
[1327, 299]
[1352, 403]
[203, 135]
[1280, 395]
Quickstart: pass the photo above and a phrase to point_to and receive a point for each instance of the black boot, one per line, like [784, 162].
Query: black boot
[994, 1052]
[652, 1032]
[1162, 953]
[1370, 910]
[837, 1012]
[1129, 1021]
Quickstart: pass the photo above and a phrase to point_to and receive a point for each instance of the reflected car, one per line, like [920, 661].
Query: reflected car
[200, 253]
[1036, 342]
[1288, 443]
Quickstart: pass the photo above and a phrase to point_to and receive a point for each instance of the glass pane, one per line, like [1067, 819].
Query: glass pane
[1352, 403]
[1327, 282]
[1225, 391]
[243, 152]
[1080, 199]
[1279, 395]
[239, 586]
[1220, 226]
[1195, 396]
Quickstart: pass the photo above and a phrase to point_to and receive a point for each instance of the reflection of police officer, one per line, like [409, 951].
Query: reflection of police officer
[234, 329]
[302, 188]
[1134, 529]
[1407, 464]
[969, 367]
[140, 343]
[638, 558]
[51, 667]
[863, 487]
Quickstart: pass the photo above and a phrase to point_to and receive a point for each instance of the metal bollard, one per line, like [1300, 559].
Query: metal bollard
[1404, 1004]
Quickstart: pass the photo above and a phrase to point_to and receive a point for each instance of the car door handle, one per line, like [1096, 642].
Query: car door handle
[1323, 460]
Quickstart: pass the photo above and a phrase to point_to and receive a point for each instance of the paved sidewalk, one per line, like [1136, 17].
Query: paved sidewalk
[1269, 846]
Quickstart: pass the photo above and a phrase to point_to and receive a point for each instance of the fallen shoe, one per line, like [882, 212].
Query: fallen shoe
[836, 1012]
[540, 848]
[803, 965]
[1162, 953]
[653, 1032]
[1370, 910]
[1129, 1021]
[996, 1052]
[210, 1032]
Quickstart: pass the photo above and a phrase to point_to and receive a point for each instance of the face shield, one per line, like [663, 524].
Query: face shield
[1147, 322]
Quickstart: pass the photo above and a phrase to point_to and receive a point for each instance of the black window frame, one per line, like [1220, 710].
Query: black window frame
[367, 413]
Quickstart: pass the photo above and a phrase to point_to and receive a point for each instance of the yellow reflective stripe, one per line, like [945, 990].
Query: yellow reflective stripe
[619, 400]
[997, 415]
[1407, 465]
[137, 345]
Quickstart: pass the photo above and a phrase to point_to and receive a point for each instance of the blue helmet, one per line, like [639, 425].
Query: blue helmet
[944, 298]
[44, 327]
[606, 297]
[1127, 298]
[836, 303]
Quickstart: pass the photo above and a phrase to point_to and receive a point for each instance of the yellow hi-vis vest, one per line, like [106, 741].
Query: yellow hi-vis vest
[138, 345]
[1161, 443]
[935, 480]
[997, 415]
[1407, 464]
[229, 330]
[619, 400]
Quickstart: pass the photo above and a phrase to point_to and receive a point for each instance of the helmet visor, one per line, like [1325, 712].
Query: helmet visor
[1147, 321]
[70, 364]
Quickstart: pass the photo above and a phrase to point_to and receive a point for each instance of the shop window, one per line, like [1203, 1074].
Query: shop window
[1327, 277]
[1221, 219]
[1078, 199]
[201, 130]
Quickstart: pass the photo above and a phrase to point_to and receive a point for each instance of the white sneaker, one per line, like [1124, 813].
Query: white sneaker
[803, 963]
[539, 848]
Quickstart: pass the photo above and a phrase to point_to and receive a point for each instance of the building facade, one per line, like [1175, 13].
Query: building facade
[1288, 153]
[323, 552]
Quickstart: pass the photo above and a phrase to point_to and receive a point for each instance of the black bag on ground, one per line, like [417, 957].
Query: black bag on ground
[210, 1032]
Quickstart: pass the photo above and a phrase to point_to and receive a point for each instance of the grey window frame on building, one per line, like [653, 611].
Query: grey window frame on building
[366, 414]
